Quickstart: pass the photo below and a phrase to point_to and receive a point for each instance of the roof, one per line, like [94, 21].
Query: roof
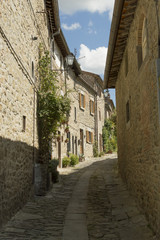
[52, 9]
[91, 77]
[91, 80]
[123, 16]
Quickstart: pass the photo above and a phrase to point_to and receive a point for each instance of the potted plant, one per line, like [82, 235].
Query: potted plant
[67, 140]
[58, 138]
[67, 129]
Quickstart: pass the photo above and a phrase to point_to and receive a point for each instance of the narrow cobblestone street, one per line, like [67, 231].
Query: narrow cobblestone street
[90, 202]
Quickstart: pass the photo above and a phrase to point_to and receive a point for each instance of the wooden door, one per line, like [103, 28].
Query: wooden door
[81, 142]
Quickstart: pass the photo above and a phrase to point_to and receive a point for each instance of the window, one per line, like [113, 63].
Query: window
[33, 70]
[144, 39]
[100, 143]
[92, 107]
[142, 47]
[82, 101]
[99, 115]
[24, 124]
[126, 63]
[76, 147]
[127, 112]
[89, 137]
[73, 144]
[69, 142]
[75, 114]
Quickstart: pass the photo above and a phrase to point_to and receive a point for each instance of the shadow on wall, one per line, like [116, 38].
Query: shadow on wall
[16, 176]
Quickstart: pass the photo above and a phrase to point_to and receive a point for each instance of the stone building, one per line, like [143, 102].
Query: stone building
[87, 114]
[132, 67]
[87, 102]
[23, 27]
[109, 107]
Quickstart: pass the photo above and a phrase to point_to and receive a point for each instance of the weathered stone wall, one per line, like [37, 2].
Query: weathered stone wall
[139, 138]
[84, 120]
[19, 22]
[100, 117]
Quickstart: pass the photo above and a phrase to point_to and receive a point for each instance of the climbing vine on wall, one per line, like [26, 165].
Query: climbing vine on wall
[52, 107]
[110, 134]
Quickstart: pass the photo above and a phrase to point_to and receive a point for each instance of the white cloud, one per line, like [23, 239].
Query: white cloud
[72, 6]
[92, 60]
[72, 27]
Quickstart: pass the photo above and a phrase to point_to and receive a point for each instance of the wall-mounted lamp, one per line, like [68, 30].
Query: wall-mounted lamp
[69, 59]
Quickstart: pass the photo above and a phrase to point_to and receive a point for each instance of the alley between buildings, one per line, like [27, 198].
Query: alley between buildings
[90, 202]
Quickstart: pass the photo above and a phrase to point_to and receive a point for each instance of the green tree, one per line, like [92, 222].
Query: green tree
[110, 134]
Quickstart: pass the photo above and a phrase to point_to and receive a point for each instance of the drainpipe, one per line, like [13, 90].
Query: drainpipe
[52, 40]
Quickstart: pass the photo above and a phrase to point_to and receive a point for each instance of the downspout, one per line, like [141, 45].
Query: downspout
[52, 41]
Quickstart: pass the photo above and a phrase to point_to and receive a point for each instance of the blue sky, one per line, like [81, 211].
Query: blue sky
[86, 26]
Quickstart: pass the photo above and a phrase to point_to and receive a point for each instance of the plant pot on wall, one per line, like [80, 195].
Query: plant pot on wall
[67, 140]
[67, 129]
[58, 138]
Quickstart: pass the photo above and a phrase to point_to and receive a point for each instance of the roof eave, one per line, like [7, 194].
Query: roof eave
[122, 18]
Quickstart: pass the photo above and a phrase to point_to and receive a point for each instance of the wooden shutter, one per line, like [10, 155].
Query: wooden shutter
[80, 100]
[94, 107]
[87, 136]
[91, 137]
[84, 103]
[90, 106]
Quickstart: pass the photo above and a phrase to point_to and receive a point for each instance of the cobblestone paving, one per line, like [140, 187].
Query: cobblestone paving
[112, 214]
[43, 217]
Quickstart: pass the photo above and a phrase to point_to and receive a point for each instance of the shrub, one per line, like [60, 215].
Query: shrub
[74, 159]
[66, 162]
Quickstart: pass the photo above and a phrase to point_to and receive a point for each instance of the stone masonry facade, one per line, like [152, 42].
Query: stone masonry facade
[138, 113]
[19, 24]
[23, 27]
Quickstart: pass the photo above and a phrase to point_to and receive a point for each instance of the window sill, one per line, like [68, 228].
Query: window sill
[92, 114]
[82, 108]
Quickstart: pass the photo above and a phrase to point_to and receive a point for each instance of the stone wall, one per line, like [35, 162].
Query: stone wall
[139, 137]
[19, 23]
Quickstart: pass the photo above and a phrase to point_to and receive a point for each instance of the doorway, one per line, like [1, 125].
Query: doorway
[81, 142]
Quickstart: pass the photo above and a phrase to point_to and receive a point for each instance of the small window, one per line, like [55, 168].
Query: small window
[127, 112]
[24, 124]
[69, 142]
[33, 70]
[142, 48]
[126, 63]
[99, 115]
[82, 101]
[75, 114]
[73, 144]
[92, 107]
[89, 137]
[144, 39]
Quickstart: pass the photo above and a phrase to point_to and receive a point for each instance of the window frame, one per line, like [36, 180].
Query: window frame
[82, 101]
[92, 107]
